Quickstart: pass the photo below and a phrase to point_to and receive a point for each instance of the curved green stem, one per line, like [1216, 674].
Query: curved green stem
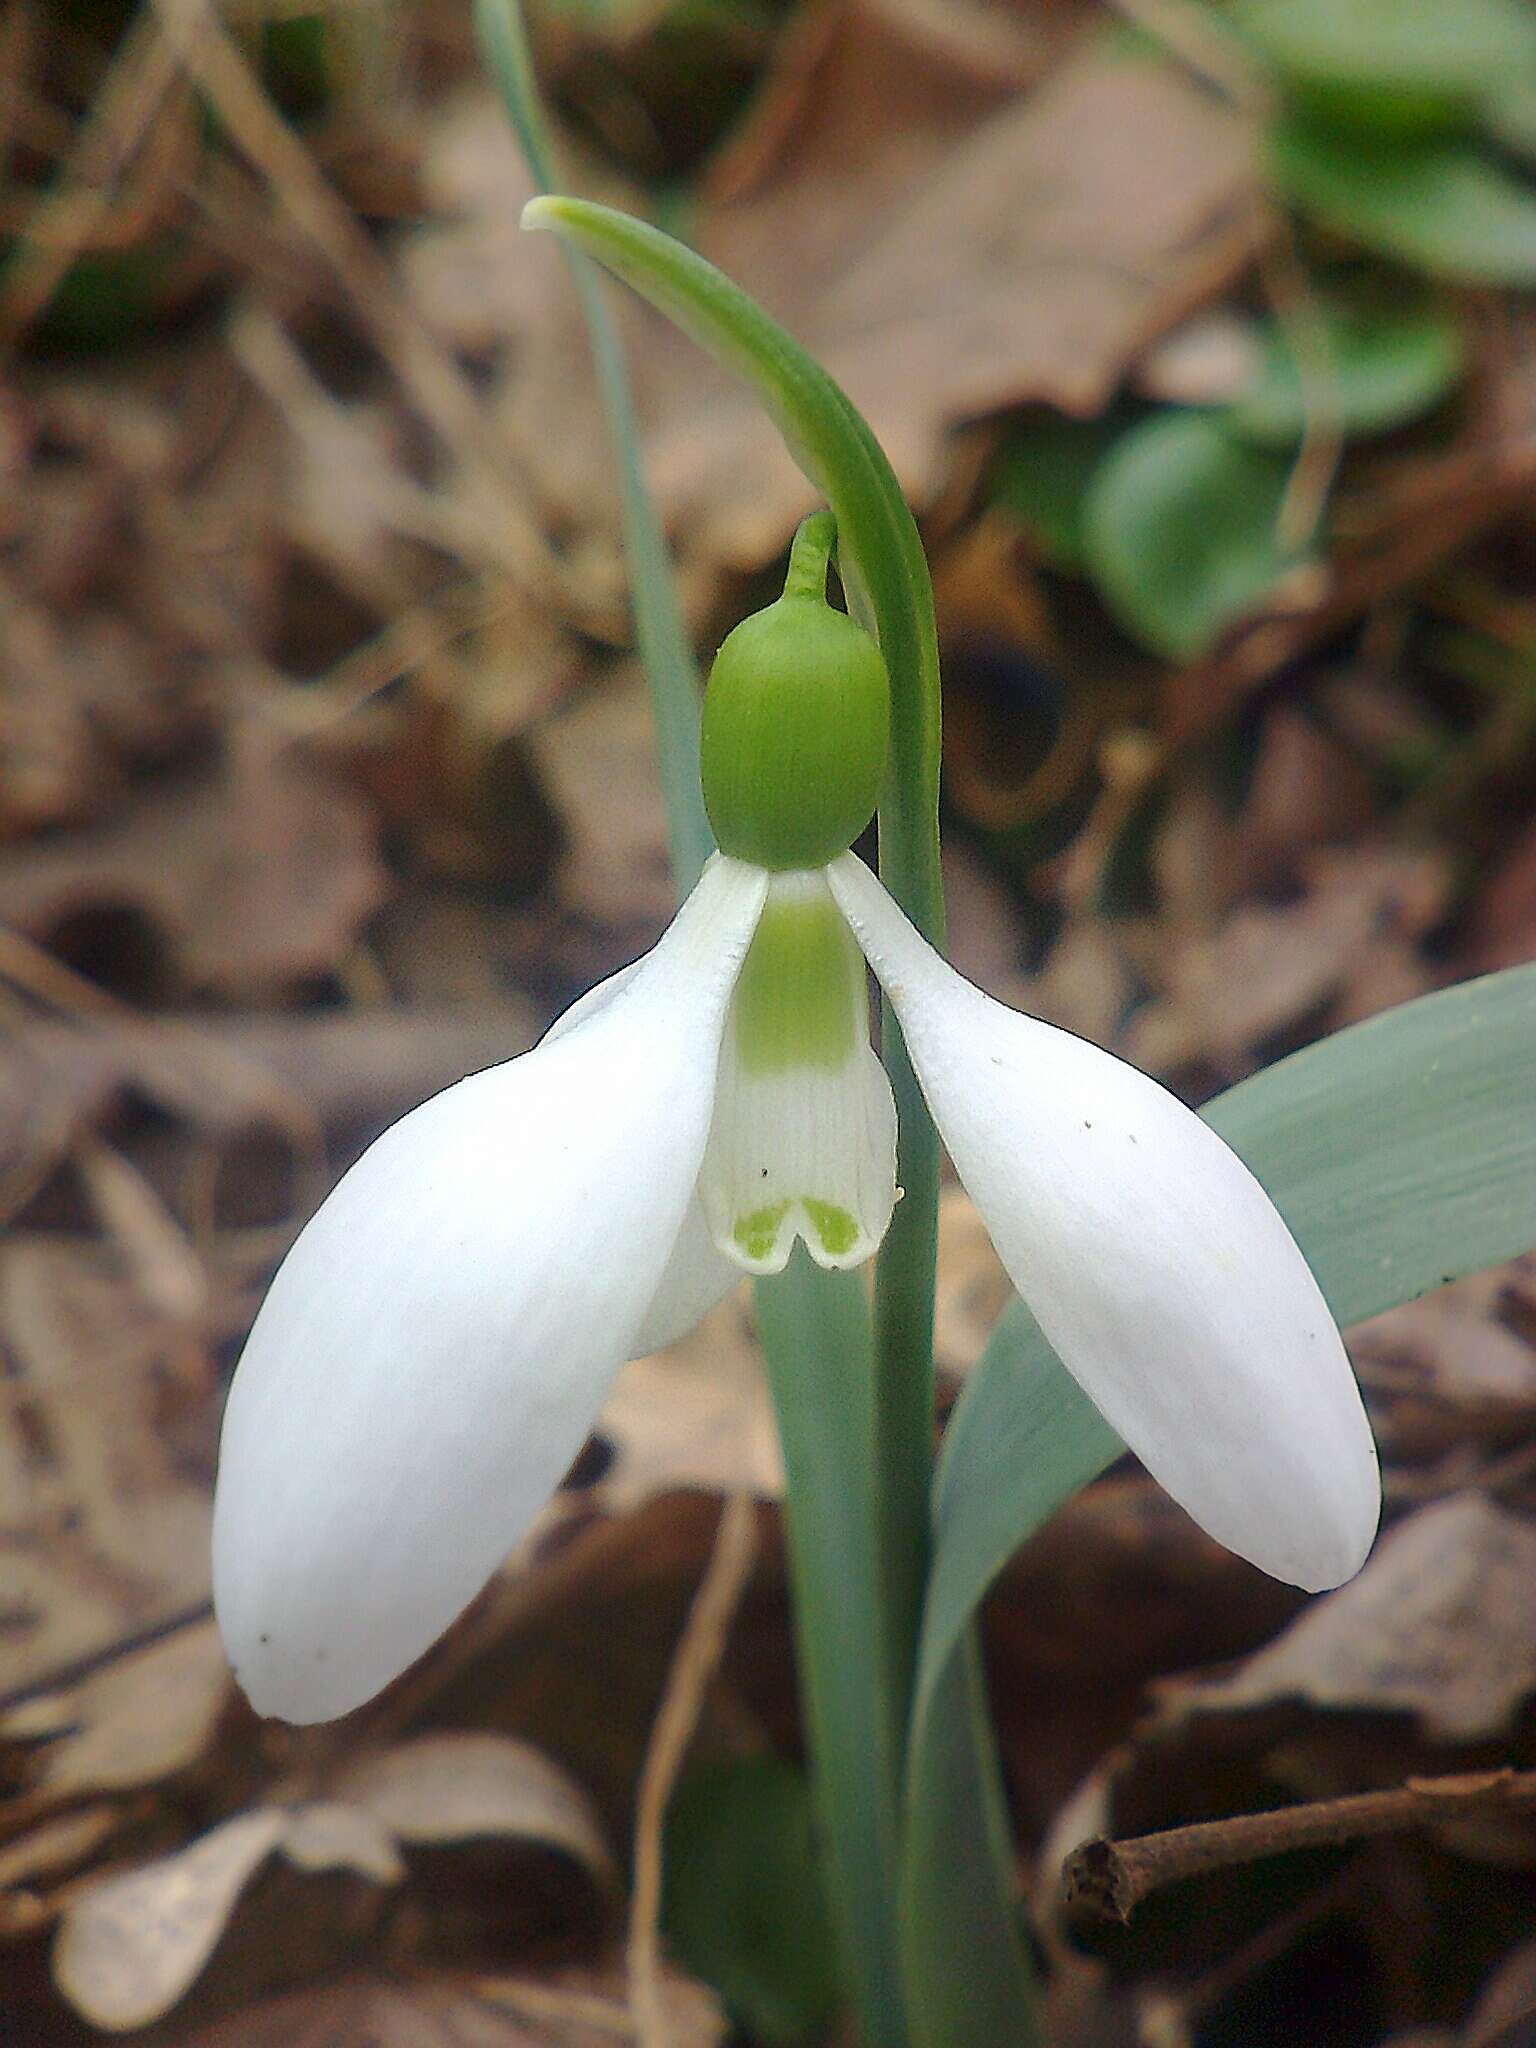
[816, 1342]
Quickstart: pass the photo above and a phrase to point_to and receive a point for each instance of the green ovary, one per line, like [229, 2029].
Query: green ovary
[797, 1003]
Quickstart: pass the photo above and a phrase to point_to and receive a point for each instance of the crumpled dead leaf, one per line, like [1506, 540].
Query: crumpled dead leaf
[1050, 245]
[574, 2009]
[245, 880]
[130, 1945]
[596, 758]
[1347, 944]
[1438, 1625]
[106, 1531]
[138, 1718]
[1054, 234]
[696, 1415]
[452, 1787]
[1449, 1375]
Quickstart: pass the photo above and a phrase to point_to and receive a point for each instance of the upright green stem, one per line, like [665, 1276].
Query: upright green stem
[815, 1336]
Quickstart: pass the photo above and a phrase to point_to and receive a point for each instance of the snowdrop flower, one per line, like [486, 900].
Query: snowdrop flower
[440, 1338]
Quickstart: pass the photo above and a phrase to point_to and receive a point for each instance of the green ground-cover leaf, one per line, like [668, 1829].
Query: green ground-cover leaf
[1044, 468]
[1391, 65]
[1181, 530]
[1441, 206]
[744, 1907]
[1385, 365]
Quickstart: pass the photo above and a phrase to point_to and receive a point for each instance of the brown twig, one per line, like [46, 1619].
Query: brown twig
[694, 1664]
[1112, 1878]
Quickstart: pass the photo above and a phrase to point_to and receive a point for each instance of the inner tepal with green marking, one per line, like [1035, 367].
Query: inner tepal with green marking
[794, 739]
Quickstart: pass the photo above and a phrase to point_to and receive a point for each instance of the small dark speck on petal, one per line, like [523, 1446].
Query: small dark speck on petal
[1086, 1125]
[763, 1171]
[996, 1060]
[263, 1639]
[1132, 1136]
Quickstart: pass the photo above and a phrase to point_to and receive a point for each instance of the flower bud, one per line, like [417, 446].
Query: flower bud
[796, 723]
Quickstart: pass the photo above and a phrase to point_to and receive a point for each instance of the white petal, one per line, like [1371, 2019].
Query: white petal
[697, 1276]
[1154, 1262]
[436, 1343]
[586, 1007]
[804, 1137]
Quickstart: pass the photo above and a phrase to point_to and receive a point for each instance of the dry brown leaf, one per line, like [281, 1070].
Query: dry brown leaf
[325, 1834]
[1437, 1625]
[334, 1071]
[1235, 986]
[973, 1289]
[43, 1852]
[945, 245]
[572, 2010]
[248, 879]
[130, 1945]
[106, 1534]
[697, 1415]
[861, 103]
[141, 1717]
[1504, 917]
[1049, 247]
[597, 761]
[1447, 1374]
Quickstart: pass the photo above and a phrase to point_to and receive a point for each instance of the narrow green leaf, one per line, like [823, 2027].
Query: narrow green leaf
[967, 1967]
[1182, 530]
[814, 1330]
[1402, 1152]
[660, 630]
[1387, 364]
[1441, 206]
